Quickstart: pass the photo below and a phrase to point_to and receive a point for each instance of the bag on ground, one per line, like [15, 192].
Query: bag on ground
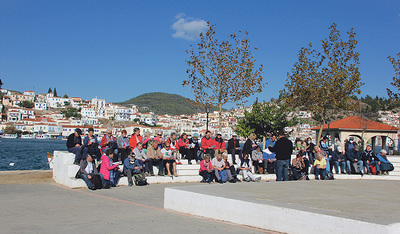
[140, 180]
[372, 169]
[96, 180]
[223, 175]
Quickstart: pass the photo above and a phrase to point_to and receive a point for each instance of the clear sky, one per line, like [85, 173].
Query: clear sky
[120, 49]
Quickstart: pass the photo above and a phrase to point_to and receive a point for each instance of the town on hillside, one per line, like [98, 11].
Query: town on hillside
[50, 115]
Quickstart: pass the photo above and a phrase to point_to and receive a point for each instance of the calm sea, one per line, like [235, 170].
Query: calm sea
[27, 154]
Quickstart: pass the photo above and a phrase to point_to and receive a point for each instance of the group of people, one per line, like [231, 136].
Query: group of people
[140, 154]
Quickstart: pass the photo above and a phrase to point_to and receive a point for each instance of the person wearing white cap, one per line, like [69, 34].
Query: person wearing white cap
[339, 159]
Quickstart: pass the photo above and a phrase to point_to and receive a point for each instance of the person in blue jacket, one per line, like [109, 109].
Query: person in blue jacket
[383, 166]
[131, 166]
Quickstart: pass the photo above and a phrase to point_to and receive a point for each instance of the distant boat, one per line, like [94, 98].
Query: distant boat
[50, 158]
[42, 136]
[9, 136]
[28, 136]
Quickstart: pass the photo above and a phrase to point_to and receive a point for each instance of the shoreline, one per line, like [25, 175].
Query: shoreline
[26, 177]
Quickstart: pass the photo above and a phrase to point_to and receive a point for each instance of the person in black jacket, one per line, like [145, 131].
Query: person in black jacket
[283, 149]
[368, 156]
[250, 144]
[194, 148]
[234, 148]
[74, 145]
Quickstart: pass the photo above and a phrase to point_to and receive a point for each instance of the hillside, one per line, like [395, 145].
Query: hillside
[163, 103]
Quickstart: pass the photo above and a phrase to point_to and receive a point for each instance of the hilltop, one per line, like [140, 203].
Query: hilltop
[163, 103]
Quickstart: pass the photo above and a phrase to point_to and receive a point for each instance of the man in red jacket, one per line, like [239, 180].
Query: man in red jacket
[208, 144]
[220, 146]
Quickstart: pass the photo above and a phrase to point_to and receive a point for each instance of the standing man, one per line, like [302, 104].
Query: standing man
[283, 149]
[74, 145]
[234, 148]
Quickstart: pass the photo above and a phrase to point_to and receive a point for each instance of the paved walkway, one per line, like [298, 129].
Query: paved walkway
[365, 200]
[50, 208]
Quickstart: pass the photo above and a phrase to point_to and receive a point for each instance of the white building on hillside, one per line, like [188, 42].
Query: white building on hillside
[57, 102]
[40, 106]
[98, 103]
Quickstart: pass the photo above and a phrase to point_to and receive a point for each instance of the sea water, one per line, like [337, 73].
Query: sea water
[27, 154]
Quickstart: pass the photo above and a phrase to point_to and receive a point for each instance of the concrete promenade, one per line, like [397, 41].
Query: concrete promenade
[51, 208]
[339, 206]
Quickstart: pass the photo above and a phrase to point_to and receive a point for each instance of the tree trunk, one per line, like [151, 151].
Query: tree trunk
[220, 117]
[264, 140]
[319, 134]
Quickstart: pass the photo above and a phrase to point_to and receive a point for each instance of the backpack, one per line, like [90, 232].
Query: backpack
[140, 180]
[223, 175]
[96, 180]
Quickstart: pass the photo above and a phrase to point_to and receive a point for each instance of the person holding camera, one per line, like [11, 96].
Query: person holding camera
[92, 144]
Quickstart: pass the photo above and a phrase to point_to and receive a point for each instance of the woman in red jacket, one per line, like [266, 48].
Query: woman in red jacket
[110, 171]
[135, 138]
[183, 145]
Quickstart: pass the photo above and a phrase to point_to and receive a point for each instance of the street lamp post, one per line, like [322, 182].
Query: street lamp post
[207, 111]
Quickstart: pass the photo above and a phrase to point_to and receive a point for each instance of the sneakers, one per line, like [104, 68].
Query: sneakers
[178, 163]
[258, 179]
[92, 187]
[232, 181]
[161, 174]
[106, 186]
[152, 174]
[130, 184]
[190, 163]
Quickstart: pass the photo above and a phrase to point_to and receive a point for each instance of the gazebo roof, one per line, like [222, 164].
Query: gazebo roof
[357, 123]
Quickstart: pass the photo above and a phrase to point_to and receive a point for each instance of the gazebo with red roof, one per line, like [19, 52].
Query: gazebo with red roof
[361, 128]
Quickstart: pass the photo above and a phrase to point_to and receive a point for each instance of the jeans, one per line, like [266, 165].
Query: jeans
[88, 182]
[80, 153]
[116, 179]
[233, 152]
[359, 163]
[148, 167]
[342, 165]
[124, 154]
[115, 151]
[282, 170]
[320, 172]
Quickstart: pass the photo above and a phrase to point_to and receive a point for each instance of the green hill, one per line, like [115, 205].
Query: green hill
[163, 103]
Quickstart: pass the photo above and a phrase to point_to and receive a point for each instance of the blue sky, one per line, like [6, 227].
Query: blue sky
[120, 49]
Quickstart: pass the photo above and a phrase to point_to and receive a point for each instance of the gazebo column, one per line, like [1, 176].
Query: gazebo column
[384, 140]
[373, 143]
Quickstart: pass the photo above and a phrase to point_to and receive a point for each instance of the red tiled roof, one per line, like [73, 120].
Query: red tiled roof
[358, 123]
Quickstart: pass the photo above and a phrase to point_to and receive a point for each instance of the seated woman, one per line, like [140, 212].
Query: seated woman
[123, 145]
[305, 157]
[258, 160]
[92, 144]
[339, 159]
[111, 172]
[219, 170]
[169, 159]
[320, 167]
[230, 167]
[383, 166]
[245, 166]
[183, 145]
[206, 170]
[143, 159]
[88, 170]
[131, 166]
[298, 167]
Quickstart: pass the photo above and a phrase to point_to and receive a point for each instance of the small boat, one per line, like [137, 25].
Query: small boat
[42, 136]
[12, 136]
[28, 136]
[50, 160]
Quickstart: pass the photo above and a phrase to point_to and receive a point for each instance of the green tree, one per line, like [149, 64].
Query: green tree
[10, 129]
[396, 79]
[222, 72]
[49, 91]
[71, 112]
[264, 118]
[26, 104]
[65, 96]
[324, 82]
[55, 92]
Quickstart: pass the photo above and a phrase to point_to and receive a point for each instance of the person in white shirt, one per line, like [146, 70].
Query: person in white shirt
[218, 165]
[245, 166]
[169, 159]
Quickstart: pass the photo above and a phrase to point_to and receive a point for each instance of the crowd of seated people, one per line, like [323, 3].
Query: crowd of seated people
[139, 155]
